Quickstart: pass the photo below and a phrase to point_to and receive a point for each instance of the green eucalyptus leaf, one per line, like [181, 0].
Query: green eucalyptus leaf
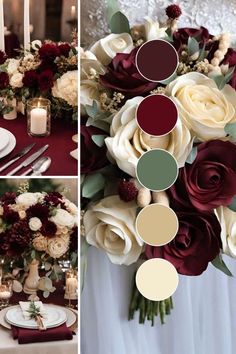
[230, 129]
[193, 46]
[202, 53]
[169, 79]
[119, 23]
[232, 206]
[92, 110]
[229, 74]
[220, 264]
[192, 156]
[92, 185]
[99, 139]
[220, 81]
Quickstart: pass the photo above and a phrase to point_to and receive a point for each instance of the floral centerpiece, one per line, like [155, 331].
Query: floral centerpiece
[47, 70]
[202, 142]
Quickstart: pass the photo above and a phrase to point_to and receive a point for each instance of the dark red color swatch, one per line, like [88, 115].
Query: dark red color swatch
[157, 115]
[156, 60]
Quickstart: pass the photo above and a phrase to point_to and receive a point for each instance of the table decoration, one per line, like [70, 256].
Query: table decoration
[71, 288]
[202, 143]
[32, 280]
[5, 293]
[38, 117]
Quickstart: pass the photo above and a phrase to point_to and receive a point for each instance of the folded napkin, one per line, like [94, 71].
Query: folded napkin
[25, 307]
[25, 336]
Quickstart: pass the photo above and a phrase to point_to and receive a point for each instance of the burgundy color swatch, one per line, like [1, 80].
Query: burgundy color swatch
[157, 115]
[156, 60]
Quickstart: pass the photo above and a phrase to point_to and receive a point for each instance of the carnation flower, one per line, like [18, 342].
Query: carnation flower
[8, 198]
[4, 80]
[35, 224]
[38, 210]
[9, 216]
[66, 88]
[57, 247]
[49, 229]
[46, 80]
[30, 79]
[53, 198]
[64, 49]
[18, 237]
[48, 52]
[3, 57]
[40, 243]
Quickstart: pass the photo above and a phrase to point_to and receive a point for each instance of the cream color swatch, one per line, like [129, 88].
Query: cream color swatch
[157, 279]
[157, 224]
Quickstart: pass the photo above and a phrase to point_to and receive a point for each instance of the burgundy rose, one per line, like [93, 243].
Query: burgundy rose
[4, 80]
[196, 244]
[93, 157]
[18, 238]
[230, 58]
[53, 198]
[30, 79]
[48, 52]
[39, 211]
[8, 198]
[210, 181]
[3, 57]
[64, 49]
[46, 80]
[10, 216]
[122, 76]
[48, 229]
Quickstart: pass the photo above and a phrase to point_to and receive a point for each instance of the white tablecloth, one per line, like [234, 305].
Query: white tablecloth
[10, 346]
[203, 320]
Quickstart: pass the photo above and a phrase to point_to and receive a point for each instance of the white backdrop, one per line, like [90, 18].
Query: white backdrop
[203, 320]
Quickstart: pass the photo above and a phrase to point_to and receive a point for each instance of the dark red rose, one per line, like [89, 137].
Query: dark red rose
[49, 229]
[196, 244]
[93, 157]
[18, 237]
[10, 216]
[230, 58]
[46, 80]
[8, 198]
[4, 80]
[3, 57]
[210, 181]
[64, 49]
[53, 198]
[48, 52]
[39, 211]
[122, 76]
[30, 79]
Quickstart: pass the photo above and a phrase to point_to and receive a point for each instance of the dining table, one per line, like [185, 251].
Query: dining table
[60, 145]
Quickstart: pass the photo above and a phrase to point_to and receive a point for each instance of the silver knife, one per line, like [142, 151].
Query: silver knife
[16, 157]
[36, 166]
[29, 160]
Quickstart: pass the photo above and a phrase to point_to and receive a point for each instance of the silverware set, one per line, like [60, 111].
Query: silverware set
[36, 167]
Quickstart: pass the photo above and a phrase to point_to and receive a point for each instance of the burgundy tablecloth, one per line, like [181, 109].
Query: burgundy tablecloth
[60, 146]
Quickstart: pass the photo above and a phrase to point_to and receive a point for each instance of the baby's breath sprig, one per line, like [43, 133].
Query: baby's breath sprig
[23, 187]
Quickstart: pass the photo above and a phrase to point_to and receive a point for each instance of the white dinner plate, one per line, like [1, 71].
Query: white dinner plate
[71, 316]
[55, 317]
[10, 146]
[4, 138]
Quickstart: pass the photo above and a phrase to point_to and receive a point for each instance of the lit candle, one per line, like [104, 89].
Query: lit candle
[38, 121]
[71, 285]
[72, 12]
[5, 294]
[26, 25]
[2, 36]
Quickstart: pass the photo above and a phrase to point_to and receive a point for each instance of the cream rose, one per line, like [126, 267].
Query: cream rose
[107, 48]
[40, 243]
[27, 199]
[16, 80]
[202, 106]
[66, 87]
[35, 224]
[57, 247]
[227, 219]
[13, 65]
[153, 30]
[63, 218]
[110, 226]
[128, 142]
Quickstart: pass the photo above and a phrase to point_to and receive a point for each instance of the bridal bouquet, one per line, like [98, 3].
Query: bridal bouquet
[202, 142]
[48, 69]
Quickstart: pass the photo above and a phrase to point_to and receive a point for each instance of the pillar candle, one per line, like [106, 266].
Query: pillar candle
[26, 25]
[2, 37]
[38, 121]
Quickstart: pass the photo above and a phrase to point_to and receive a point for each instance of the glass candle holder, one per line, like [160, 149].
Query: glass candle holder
[5, 293]
[39, 117]
[71, 288]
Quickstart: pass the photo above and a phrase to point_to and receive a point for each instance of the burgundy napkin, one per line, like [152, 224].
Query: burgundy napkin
[25, 335]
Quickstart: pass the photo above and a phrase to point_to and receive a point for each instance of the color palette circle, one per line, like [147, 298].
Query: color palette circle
[157, 279]
[157, 224]
[157, 115]
[157, 60]
[157, 170]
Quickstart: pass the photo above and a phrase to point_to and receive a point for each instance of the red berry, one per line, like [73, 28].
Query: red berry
[173, 11]
[127, 191]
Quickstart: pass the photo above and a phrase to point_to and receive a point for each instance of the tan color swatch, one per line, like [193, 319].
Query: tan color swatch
[157, 224]
[157, 279]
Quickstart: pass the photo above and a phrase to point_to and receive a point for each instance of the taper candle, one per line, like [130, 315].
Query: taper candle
[2, 36]
[26, 25]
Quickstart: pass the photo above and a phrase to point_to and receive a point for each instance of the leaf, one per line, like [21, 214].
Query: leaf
[193, 46]
[220, 81]
[202, 53]
[92, 110]
[192, 156]
[119, 23]
[112, 8]
[46, 294]
[230, 129]
[169, 79]
[92, 185]
[232, 206]
[229, 74]
[47, 266]
[220, 264]
[98, 139]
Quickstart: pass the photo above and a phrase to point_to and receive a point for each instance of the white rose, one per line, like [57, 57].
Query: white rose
[13, 65]
[36, 44]
[27, 199]
[16, 80]
[110, 225]
[128, 142]
[40, 243]
[153, 30]
[63, 218]
[57, 247]
[227, 220]
[66, 87]
[107, 48]
[202, 106]
[35, 224]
